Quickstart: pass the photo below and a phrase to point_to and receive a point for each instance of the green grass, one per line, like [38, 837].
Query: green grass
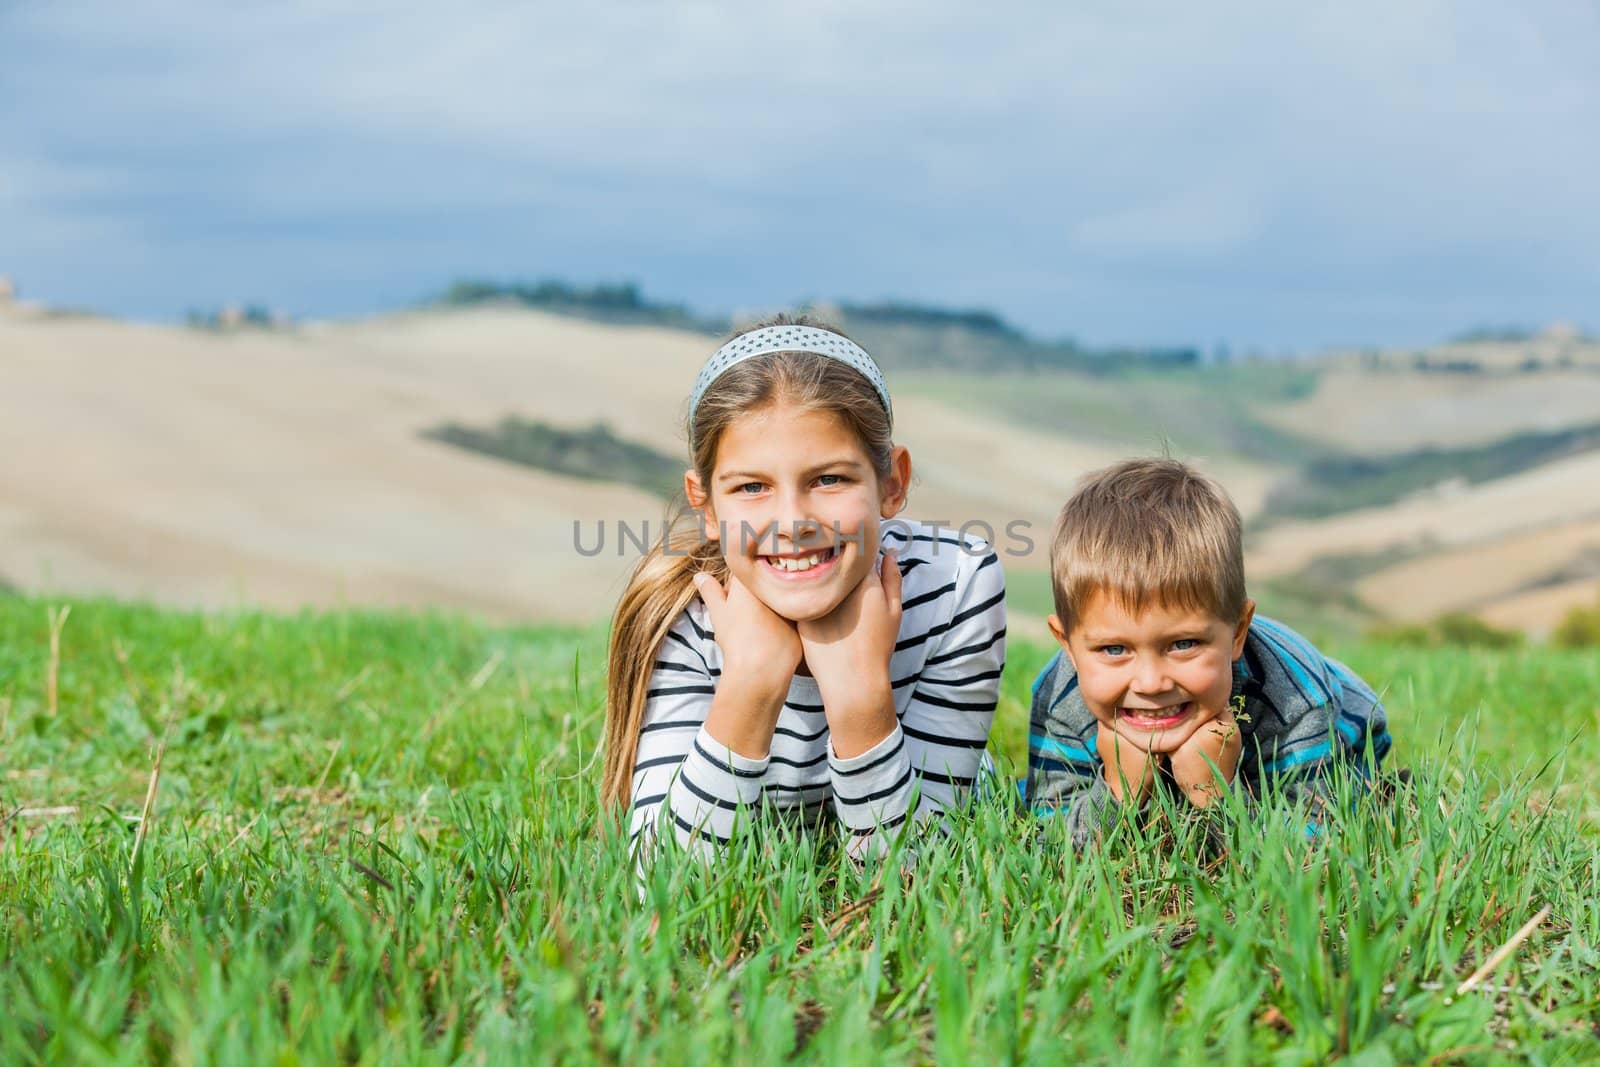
[1336, 483]
[375, 840]
[1198, 411]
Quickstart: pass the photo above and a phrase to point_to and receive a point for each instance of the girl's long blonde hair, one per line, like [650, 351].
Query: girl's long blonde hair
[662, 585]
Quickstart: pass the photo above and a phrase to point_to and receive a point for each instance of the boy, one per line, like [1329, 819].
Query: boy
[1165, 672]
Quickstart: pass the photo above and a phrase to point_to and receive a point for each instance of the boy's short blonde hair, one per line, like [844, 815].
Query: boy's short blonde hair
[1145, 532]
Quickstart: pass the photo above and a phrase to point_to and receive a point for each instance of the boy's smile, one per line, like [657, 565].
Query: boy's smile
[1156, 718]
[1156, 676]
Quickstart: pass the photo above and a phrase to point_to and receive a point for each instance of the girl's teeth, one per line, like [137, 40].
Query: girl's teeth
[803, 563]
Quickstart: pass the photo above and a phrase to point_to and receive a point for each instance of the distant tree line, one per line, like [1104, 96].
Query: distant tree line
[233, 317]
[914, 336]
[1457, 629]
[593, 453]
[1494, 334]
[622, 303]
[896, 313]
[898, 334]
[1579, 628]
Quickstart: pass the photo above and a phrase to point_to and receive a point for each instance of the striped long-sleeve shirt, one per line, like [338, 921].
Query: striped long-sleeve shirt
[945, 674]
[1302, 712]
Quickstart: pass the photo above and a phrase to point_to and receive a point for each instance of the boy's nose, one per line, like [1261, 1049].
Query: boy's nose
[1151, 678]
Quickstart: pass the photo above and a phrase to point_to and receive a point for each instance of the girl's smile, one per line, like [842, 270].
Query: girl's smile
[802, 567]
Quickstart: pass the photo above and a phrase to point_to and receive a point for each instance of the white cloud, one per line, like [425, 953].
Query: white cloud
[1042, 138]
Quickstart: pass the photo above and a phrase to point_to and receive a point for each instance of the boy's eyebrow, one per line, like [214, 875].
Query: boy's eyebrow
[832, 464]
[1180, 633]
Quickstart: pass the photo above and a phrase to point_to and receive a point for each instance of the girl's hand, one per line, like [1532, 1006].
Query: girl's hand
[848, 651]
[758, 645]
[1130, 771]
[760, 652]
[1218, 743]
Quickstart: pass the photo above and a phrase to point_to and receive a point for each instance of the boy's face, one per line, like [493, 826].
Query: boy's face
[1156, 677]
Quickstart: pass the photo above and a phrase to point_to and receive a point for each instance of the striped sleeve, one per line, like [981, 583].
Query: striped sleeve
[931, 760]
[1354, 733]
[1362, 724]
[684, 781]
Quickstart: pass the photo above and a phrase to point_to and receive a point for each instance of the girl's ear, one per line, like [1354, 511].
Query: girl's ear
[700, 501]
[897, 486]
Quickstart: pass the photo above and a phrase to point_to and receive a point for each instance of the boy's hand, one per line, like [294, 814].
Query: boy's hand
[1217, 745]
[848, 652]
[1130, 772]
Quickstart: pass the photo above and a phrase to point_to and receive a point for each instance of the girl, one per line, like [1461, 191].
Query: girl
[796, 650]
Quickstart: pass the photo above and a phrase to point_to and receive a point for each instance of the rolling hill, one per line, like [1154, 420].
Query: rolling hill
[293, 466]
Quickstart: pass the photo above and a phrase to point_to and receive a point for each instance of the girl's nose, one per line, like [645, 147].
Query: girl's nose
[795, 513]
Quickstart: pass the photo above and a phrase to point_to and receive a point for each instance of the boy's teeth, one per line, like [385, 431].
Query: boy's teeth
[1157, 713]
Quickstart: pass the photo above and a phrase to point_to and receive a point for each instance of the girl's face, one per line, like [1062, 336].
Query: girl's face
[796, 504]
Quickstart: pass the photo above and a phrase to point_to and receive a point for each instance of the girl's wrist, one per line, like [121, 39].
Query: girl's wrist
[757, 676]
[857, 689]
[744, 716]
[860, 719]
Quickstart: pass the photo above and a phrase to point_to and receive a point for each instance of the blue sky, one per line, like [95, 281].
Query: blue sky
[1260, 174]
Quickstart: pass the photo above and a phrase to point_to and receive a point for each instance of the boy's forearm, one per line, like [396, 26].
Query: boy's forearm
[1129, 774]
[1205, 764]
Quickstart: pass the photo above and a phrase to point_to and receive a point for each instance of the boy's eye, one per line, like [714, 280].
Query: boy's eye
[1183, 644]
[1114, 650]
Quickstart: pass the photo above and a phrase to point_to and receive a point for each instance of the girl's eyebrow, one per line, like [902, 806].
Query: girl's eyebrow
[843, 462]
[832, 464]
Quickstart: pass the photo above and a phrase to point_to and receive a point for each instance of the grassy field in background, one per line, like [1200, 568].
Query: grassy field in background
[374, 839]
[1198, 411]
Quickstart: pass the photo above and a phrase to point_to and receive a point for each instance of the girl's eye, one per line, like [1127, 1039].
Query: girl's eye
[748, 488]
[831, 479]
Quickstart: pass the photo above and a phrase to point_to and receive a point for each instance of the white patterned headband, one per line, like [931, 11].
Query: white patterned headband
[771, 339]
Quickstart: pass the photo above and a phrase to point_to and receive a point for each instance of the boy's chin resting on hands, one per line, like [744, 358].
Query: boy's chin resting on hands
[1202, 760]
